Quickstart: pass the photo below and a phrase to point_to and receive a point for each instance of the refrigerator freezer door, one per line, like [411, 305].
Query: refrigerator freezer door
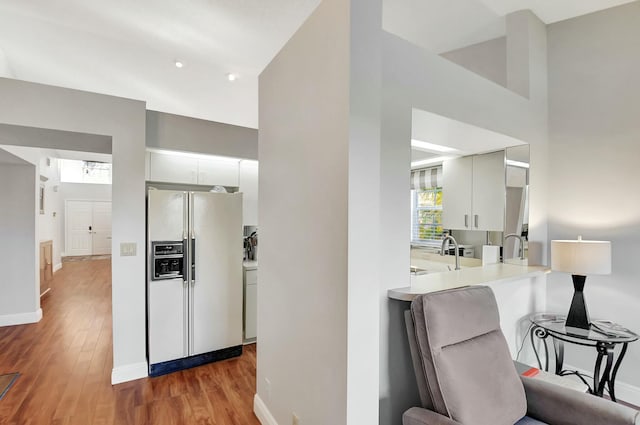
[216, 297]
[167, 299]
[166, 215]
[167, 320]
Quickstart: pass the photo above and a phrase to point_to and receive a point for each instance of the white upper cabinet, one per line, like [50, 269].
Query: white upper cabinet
[219, 172]
[249, 188]
[457, 177]
[168, 168]
[473, 192]
[192, 169]
[489, 191]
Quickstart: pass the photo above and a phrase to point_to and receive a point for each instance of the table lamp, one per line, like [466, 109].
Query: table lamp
[580, 258]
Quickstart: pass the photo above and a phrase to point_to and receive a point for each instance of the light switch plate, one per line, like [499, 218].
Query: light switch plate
[128, 249]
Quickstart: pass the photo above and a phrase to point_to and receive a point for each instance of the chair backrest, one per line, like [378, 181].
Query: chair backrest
[462, 360]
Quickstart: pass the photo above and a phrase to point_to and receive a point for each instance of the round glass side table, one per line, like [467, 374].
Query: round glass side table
[603, 335]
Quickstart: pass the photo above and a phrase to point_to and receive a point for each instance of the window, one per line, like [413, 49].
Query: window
[74, 171]
[426, 215]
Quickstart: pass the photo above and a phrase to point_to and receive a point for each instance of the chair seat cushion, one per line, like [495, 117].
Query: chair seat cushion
[529, 421]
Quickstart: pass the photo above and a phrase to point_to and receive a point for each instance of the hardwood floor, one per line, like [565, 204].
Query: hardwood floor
[65, 363]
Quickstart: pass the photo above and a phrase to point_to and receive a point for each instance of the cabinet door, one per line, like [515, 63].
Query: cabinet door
[173, 168]
[489, 192]
[218, 172]
[250, 304]
[249, 188]
[456, 193]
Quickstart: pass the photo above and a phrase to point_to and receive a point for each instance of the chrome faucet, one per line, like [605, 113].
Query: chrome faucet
[520, 247]
[455, 244]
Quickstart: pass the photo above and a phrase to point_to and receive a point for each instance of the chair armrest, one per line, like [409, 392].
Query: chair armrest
[557, 405]
[420, 416]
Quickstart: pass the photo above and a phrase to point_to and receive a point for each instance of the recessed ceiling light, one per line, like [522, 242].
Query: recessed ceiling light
[179, 64]
[231, 76]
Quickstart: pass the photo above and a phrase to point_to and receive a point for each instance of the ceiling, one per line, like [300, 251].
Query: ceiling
[128, 48]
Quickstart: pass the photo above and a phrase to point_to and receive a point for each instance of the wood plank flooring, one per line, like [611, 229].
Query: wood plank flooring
[65, 362]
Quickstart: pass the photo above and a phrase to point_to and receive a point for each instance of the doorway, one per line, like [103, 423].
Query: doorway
[87, 227]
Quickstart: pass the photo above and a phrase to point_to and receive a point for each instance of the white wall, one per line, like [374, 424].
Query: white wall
[19, 286]
[49, 226]
[415, 78]
[80, 192]
[35, 105]
[488, 59]
[594, 87]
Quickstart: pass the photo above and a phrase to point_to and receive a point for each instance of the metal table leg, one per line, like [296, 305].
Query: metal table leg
[541, 334]
[558, 348]
[612, 381]
[600, 381]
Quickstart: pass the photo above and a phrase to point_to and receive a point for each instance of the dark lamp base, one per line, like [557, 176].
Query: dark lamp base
[578, 316]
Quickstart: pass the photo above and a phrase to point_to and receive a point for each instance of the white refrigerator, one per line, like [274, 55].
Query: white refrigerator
[194, 279]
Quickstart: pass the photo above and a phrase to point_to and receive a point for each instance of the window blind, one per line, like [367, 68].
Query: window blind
[426, 178]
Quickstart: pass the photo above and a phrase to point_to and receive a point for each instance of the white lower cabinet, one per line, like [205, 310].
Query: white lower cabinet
[250, 304]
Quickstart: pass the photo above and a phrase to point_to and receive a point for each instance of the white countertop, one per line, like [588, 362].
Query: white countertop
[250, 265]
[423, 284]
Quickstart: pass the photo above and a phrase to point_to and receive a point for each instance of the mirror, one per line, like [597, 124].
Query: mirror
[437, 139]
[516, 223]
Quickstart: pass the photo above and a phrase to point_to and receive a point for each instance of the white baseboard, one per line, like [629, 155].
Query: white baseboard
[624, 392]
[57, 267]
[21, 318]
[261, 411]
[129, 372]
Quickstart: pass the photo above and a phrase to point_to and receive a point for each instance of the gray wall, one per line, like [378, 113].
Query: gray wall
[488, 59]
[19, 296]
[302, 314]
[415, 78]
[319, 138]
[175, 132]
[41, 106]
[594, 113]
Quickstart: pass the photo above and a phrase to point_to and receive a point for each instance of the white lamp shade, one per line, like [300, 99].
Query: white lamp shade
[581, 257]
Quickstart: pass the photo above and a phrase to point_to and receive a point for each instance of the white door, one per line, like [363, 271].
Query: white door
[88, 228]
[216, 297]
[101, 227]
[78, 225]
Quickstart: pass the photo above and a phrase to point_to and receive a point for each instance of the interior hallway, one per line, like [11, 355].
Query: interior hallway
[65, 363]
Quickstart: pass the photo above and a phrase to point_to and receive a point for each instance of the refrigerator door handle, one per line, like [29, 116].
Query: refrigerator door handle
[193, 261]
[185, 263]
[185, 217]
[191, 216]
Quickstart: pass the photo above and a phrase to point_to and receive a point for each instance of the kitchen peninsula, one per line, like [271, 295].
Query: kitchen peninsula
[520, 291]
[490, 275]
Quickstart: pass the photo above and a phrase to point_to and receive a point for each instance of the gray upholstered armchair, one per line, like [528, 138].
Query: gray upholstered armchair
[466, 375]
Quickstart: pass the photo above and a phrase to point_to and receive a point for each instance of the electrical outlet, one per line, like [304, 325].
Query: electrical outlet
[267, 387]
[295, 420]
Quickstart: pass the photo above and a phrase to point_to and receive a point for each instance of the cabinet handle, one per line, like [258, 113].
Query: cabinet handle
[475, 219]
[466, 220]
